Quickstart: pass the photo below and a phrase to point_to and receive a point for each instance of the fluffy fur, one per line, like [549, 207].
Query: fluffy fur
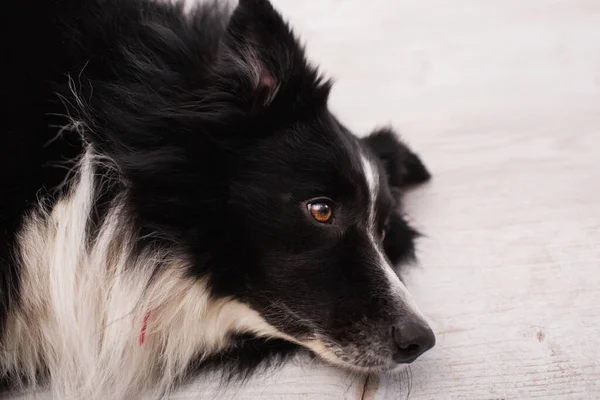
[157, 172]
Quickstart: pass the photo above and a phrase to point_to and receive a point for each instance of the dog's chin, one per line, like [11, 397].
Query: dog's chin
[358, 361]
[366, 368]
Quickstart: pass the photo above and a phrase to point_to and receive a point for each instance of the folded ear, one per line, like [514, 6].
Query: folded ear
[399, 242]
[261, 60]
[403, 167]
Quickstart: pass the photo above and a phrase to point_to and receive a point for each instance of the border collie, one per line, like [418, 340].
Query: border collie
[177, 196]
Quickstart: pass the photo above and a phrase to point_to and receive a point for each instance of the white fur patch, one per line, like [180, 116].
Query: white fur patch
[83, 307]
[396, 286]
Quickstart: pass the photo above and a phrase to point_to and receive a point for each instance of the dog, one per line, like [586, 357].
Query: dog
[177, 197]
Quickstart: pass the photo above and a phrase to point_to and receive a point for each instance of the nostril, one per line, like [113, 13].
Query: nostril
[404, 344]
[411, 348]
[411, 338]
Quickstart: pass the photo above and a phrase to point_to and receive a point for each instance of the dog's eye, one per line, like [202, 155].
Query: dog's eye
[321, 211]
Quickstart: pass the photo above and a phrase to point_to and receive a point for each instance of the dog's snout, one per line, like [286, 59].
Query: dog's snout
[412, 338]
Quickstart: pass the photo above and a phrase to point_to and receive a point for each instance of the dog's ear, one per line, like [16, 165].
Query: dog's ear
[399, 242]
[261, 60]
[403, 167]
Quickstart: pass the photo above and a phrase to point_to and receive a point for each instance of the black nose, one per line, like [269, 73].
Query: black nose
[412, 338]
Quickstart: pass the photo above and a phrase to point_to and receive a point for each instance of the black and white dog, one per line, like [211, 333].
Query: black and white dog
[176, 196]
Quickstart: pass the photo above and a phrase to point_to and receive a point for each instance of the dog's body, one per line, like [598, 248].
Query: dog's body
[177, 196]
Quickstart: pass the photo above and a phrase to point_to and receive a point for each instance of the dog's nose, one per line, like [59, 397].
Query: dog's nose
[412, 338]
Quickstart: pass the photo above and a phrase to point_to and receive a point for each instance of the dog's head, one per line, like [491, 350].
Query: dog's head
[313, 212]
[272, 198]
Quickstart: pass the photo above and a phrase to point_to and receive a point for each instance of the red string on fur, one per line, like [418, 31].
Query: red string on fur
[144, 326]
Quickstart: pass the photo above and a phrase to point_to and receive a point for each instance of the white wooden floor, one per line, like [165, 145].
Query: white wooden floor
[502, 100]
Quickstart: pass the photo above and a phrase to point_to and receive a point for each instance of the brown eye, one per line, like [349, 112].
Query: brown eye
[322, 212]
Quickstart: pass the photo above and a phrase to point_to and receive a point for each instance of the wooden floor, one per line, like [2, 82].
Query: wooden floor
[502, 100]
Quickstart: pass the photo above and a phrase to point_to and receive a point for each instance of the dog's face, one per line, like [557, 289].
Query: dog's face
[314, 211]
[317, 213]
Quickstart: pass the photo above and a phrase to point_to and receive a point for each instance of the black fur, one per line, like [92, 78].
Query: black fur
[247, 355]
[221, 130]
[403, 167]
